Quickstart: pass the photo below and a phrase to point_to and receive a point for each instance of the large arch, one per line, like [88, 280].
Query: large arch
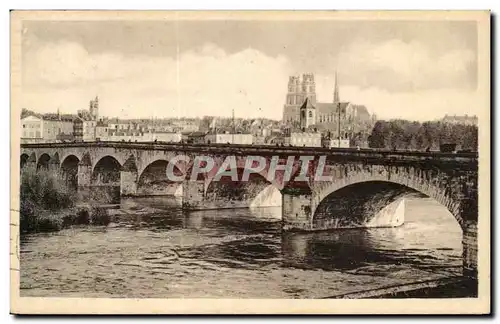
[153, 181]
[362, 204]
[105, 180]
[69, 171]
[391, 187]
[43, 162]
[106, 171]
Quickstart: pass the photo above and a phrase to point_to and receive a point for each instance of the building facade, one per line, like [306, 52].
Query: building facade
[32, 128]
[101, 131]
[89, 130]
[243, 139]
[342, 143]
[78, 129]
[305, 139]
[167, 137]
[463, 120]
[47, 128]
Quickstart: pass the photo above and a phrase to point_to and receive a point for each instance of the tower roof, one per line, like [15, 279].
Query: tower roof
[336, 96]
[307, 104]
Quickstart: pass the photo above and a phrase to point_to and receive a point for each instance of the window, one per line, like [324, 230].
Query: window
[310, 114]
[24, 126]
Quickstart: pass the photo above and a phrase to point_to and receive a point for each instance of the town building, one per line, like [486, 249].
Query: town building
[335, 142]
[167, 137]
[56, 125]
[307, 139]
[47, 128]
[101, 131]
[463, 120]
[129, 136]
[89, 130]
[78, 129]
[228, 138]
[185, 125]
[31, 129]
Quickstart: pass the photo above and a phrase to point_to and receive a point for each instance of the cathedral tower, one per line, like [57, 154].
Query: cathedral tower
[298, 90]
[308, 88]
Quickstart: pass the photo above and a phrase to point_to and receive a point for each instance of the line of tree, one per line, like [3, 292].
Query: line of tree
[412, 135]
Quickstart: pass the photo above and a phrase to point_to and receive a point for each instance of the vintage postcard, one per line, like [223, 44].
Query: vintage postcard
[250, 162]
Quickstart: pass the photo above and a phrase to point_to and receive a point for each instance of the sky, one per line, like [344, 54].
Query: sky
[397, 69]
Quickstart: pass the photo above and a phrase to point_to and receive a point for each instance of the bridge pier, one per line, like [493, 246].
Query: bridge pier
[53, 166]
[128, 183]
[29, 165]
[193, 194]
[296, 210]
[469, 241]
[84, 176]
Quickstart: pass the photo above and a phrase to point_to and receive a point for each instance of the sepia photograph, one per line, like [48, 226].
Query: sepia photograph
[250, 162]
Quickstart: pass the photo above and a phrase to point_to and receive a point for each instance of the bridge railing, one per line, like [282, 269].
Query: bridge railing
[252, 149]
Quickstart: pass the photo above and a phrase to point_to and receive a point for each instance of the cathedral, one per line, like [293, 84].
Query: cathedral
[321, 115]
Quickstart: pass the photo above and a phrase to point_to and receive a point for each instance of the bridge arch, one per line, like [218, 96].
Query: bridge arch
[378, 190]
[23, 160]
[69, 171]
[106, 171]
[43, 161]
[154, 181]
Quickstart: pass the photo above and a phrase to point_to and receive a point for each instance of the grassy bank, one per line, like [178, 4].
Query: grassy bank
[48, 204]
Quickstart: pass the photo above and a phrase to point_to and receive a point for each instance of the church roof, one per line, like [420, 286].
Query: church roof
[362, 110]
[307, 104]
[329, 107]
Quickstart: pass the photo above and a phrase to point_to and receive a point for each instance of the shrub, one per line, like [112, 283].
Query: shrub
[43, 190]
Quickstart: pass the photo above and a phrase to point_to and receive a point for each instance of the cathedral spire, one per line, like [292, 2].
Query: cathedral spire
[336, 97]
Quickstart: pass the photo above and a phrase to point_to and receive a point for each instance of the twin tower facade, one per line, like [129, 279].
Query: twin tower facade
[301, 90]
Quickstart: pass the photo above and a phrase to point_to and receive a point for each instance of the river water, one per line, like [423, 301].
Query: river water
[239, 253]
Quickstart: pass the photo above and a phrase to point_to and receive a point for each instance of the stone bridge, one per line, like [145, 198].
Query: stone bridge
[359, 188]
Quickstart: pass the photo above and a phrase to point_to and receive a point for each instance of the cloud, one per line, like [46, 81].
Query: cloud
[393, 79]
[414, 105]
[401, 66]
[203, 81]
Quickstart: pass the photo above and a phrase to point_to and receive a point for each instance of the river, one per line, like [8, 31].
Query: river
[239, 253]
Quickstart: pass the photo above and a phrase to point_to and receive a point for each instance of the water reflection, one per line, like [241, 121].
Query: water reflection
[160, 250]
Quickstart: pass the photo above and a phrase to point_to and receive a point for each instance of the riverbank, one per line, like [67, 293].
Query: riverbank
[453, 287]
[53, 221]
[48, 203]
